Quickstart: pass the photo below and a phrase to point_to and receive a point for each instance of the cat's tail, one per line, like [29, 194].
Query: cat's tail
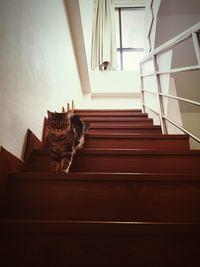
[86, 126]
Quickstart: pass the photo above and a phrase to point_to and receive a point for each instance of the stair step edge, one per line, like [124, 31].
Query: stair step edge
[97, 227]
[105, 177]
[135, 136]
[128, 151]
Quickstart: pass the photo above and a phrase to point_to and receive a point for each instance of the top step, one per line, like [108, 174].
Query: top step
[110, 113]
[108, 110]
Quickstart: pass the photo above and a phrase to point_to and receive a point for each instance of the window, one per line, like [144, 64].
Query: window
[129, 23]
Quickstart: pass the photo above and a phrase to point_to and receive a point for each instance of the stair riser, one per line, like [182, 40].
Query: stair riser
[145, 143]
[118, 201]
[118, 121]
[107, 111]
[57, 248]
[113, 114]
[136, 163]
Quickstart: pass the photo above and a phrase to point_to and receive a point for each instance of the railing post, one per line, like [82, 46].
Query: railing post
[195, 38]
[160, 99]
[141, 89]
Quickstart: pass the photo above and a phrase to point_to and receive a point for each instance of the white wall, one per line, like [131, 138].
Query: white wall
[168, 26]
[38, 69]
[190, 122]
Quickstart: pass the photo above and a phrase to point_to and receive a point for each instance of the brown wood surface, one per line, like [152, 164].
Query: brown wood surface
[123, 160]
[99, 244]
[128, 141]
[168, 198]
[132, 198]
[32, 142]
[8, 163]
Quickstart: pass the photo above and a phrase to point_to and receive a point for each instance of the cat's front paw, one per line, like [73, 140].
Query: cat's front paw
[66, 170]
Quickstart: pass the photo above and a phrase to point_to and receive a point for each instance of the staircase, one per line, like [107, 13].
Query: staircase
[132, 198]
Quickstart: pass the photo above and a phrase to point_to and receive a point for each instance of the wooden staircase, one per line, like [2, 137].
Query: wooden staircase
[132, 198]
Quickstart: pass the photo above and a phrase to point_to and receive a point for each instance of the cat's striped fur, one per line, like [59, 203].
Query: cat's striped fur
[65, 136]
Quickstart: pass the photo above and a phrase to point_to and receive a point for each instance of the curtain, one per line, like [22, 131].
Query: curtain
[103, 36]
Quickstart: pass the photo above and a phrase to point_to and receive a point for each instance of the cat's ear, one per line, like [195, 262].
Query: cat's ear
[50, 114]
[67, 114]
[63, 110]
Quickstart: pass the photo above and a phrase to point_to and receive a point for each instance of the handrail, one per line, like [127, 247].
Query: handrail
[190, 68]
[193, 32]
[150, 108]
[174, 123]
[150, 92]
[183, 129]
[181, 98]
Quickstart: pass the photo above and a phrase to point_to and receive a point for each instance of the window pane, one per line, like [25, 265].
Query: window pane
[131, 60]
[132, 28]
[118, 61]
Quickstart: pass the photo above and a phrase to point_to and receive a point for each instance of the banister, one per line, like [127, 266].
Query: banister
[182, 128]
[182, 99]
[193, 33]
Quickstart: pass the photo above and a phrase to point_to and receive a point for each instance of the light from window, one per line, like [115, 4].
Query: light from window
[129, 23]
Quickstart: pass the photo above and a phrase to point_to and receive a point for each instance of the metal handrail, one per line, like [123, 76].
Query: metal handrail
[175, 70]
[150, 108]
[182, 129]
[151, 92]
[192, 32]
[174, 123]
[182, 99]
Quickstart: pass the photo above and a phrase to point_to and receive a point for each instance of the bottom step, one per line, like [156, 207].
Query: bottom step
[85, 243]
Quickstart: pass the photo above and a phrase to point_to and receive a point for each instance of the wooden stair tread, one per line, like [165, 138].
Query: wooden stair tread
[113, 151]
[139, 152]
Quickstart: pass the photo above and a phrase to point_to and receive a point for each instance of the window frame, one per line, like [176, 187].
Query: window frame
[122, 49]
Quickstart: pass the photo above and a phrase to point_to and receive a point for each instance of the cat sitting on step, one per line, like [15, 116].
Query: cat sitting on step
[65, 136]
[104, 66]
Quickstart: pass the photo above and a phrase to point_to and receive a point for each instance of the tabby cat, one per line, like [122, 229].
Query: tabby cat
[105, 66]
[65, 136]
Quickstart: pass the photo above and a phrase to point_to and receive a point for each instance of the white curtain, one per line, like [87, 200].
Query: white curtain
[103, 36]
